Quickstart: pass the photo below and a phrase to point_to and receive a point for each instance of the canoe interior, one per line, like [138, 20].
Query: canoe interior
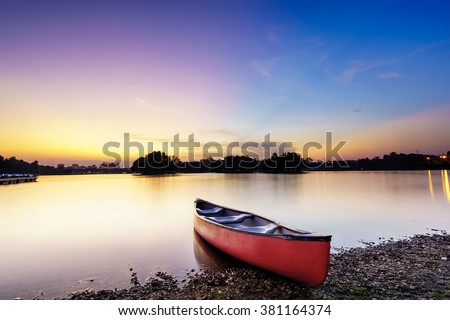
[248, 222]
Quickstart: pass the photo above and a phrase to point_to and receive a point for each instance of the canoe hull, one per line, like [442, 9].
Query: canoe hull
[304, 261]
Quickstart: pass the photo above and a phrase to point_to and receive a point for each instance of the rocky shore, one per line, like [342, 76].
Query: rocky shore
[414, 268]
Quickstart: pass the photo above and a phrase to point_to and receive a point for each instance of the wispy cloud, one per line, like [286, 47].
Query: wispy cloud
[356, 67]
[249, 46]
[390, 74]
[430, 46]
[264, 66]
[322, 58]
[144, 137]
[355, 111]
[272, 35]
[306, 91]
[426, 130]
[146, 104]
[313, 42]
[236, 133]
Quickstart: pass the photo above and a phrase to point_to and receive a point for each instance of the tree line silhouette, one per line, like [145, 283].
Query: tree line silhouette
[13, 165]
[158, 162]
[290, 162]
[392, 161]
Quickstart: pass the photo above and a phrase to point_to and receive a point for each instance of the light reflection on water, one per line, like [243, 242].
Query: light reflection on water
[445, 184]
[60, 233]
[430, 185]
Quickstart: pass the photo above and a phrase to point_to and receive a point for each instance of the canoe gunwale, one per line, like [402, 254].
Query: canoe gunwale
[301, 236]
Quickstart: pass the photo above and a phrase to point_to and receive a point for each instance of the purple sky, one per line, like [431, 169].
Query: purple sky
[77, 74]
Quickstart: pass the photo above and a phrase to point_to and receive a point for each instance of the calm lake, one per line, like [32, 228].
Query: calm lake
[67, 233]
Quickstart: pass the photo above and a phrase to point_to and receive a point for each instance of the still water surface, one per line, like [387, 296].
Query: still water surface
[62, 232]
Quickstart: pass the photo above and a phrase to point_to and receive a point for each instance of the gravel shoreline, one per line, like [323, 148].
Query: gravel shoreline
[414, 268]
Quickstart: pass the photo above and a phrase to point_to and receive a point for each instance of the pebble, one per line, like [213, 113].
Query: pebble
[412, 268]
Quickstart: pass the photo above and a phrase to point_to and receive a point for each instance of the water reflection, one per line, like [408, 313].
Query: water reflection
[445, 184]
[208, 257]
[430, 184]
[64, 229]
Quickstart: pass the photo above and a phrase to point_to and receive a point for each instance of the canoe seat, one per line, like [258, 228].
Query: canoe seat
[269, 228]
[230, 219]
[206, 212]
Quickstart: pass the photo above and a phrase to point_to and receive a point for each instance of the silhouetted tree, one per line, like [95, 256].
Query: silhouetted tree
[156, 162]
[289, 162]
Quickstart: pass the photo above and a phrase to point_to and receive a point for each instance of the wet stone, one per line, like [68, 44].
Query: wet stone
[406, 269]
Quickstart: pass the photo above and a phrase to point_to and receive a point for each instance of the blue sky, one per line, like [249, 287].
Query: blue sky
[82, 73]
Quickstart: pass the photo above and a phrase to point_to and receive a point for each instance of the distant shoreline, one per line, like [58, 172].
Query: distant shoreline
[158, 163]
[249, 173]
[240, 173]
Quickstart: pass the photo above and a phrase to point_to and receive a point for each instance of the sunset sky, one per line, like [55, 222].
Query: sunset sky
[75, 75]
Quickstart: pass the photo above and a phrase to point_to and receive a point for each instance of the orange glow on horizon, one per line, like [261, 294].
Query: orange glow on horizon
[66, 137]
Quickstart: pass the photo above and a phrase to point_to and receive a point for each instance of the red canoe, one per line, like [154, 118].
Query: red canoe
[301, 255]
